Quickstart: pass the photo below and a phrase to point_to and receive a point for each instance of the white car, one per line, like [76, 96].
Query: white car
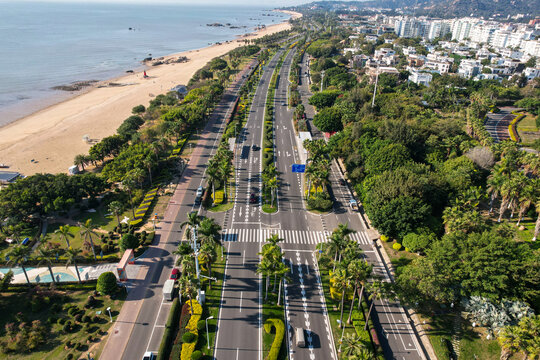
[199, 191]
[149, 355]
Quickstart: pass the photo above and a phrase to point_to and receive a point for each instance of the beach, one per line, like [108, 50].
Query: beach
[48, 140]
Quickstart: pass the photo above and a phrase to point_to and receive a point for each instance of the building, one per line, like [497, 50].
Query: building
[438, 28]
[469, 68]
[420, 78]
[372, 72]
[461, 29]
[532, 73]
[7, 177]
[442, 67]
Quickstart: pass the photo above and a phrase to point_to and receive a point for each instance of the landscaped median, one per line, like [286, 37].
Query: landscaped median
[274, 348]
[512, 126]
[143, 207]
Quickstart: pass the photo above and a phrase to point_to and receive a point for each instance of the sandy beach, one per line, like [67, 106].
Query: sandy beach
[52, 137]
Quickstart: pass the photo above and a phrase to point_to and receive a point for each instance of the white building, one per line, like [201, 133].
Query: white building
[461, 28]
[438, 28]
[442, 67]
[420, 78]
[532, 73]
[469, 68]
[531, 47]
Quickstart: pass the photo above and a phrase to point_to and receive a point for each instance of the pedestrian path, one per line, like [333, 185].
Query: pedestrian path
[289, 236]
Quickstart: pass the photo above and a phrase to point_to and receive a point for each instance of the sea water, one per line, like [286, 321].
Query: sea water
[46, 44]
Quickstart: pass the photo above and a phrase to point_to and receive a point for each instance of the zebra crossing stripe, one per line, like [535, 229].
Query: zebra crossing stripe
[289, 236]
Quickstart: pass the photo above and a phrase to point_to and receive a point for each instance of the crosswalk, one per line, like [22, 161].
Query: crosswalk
[289, 236]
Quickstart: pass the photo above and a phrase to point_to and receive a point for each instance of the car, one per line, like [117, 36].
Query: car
[252, 198]
[199, 191]
[149, 355]
[283, 104]
[175, 274]
[254, 147]
[342, 182]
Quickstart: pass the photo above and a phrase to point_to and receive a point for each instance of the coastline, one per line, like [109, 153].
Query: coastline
[48, 140]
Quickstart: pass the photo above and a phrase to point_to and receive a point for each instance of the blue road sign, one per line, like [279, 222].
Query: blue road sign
[298, 168]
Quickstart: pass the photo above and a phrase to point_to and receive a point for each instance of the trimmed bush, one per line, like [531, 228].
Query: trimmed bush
[278, 339]
[397, 246]
[384, 238]
[197, 355]
[189, 337]
[201, 325]
[106, 283]
[170, 325]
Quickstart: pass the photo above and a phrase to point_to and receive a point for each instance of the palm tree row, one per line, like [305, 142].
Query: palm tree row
[272, 264]
[220, 169]
[270, 181]
[318, 165]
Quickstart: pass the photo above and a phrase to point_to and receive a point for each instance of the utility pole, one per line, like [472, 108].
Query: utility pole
[322, 79]
[196, 253]
[375, 89]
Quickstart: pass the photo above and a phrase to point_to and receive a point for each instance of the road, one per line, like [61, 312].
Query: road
[141, 323]
[398, 340]
[497, 123]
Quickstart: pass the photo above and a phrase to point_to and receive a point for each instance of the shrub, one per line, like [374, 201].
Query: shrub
[197, 355]
[138, 109]
[384, 238]
[106, 283]
[69, 356]
[397, 246]
[128, 241]
[61, 321]
[51, 320]
[86, 319]
[78, 317]
[201, 325]
[189, 337]
[73, 311]
[278, 339]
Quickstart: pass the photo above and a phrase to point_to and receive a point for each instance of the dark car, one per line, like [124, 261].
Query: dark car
[252, 198]
[342, 182]
[175, 274]
[254, 147]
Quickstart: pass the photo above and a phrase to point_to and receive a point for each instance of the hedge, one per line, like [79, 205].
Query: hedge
[143, 207]
[278, 339]
[188, 348]
[512, 127]
[172, 320]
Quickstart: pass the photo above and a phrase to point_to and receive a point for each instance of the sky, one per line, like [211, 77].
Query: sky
[269, 3]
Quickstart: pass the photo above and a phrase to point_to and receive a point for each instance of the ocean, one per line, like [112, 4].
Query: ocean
[47, 44]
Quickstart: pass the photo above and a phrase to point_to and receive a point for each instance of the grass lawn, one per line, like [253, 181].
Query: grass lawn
[271, 310]
[527, 130]
[56, 338]
[223, 204]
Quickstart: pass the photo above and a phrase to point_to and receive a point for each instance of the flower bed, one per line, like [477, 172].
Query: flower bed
[143, 207]
[512, 127]
[189, 347]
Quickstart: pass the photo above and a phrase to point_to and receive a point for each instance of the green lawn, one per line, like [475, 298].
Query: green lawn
[527, 130]
[56, 338]
[224, 204]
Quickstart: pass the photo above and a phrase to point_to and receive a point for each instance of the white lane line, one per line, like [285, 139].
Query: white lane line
[241, 298]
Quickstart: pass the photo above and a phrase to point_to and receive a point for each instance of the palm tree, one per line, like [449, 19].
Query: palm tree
[212, 176]
[209, 231]
[129, 183]
[193, 220]
[342, 281]
[87, 231]
[81, 160]
[537, 226]
[526, 196]
[281, 271]
[352, 345]
[18, 255]
[375, 290]
[149, 162]
[44, 255]
[72, 255]
[359, 271]
[225, 170]
[274, 239]
[207, 255]
[509, 341]
[494, 182]
[188, 288]
[63, 232]
[138, 176]
[116, 208]
[265, 268]
[272, 186]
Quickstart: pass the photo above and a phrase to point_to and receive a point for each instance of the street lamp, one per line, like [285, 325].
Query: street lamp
[342, 333]
[109, 310]
[208, 336]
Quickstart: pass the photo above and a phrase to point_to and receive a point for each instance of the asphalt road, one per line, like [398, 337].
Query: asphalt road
[149, 325]
[239, 330]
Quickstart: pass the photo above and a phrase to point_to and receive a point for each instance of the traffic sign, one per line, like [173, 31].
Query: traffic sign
[298, 168]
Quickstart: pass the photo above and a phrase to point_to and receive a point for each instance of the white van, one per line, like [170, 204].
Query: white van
[300, 339]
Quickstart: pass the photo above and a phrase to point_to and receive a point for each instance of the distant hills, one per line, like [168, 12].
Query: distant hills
[500, 9]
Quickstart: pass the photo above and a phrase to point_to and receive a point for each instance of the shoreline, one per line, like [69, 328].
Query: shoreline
[48, 139]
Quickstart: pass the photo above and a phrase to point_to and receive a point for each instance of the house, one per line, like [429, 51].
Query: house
[532, 73]
[373, 72]
[7, 177]
[420, 78]
[442, 67]
[469, 68]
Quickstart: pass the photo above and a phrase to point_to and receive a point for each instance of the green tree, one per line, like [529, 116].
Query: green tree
[116, 208]
[88, 230]
[417, 242]
[389, 157]
[80, 160]
[342, 282]
[64, 233]
[208, 255]
[328, 120]
[18, 256]
[44, 255]
[359, 272]
[71, 258]
[375, 293]
[188, 288]
[128, 241]
[106, 283]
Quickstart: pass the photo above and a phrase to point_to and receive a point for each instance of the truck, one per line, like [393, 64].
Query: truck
[168, 290]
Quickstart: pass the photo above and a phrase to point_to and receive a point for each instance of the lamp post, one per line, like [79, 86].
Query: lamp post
[208, 336]
[109, 310]
[322, 79]
[342, 333]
